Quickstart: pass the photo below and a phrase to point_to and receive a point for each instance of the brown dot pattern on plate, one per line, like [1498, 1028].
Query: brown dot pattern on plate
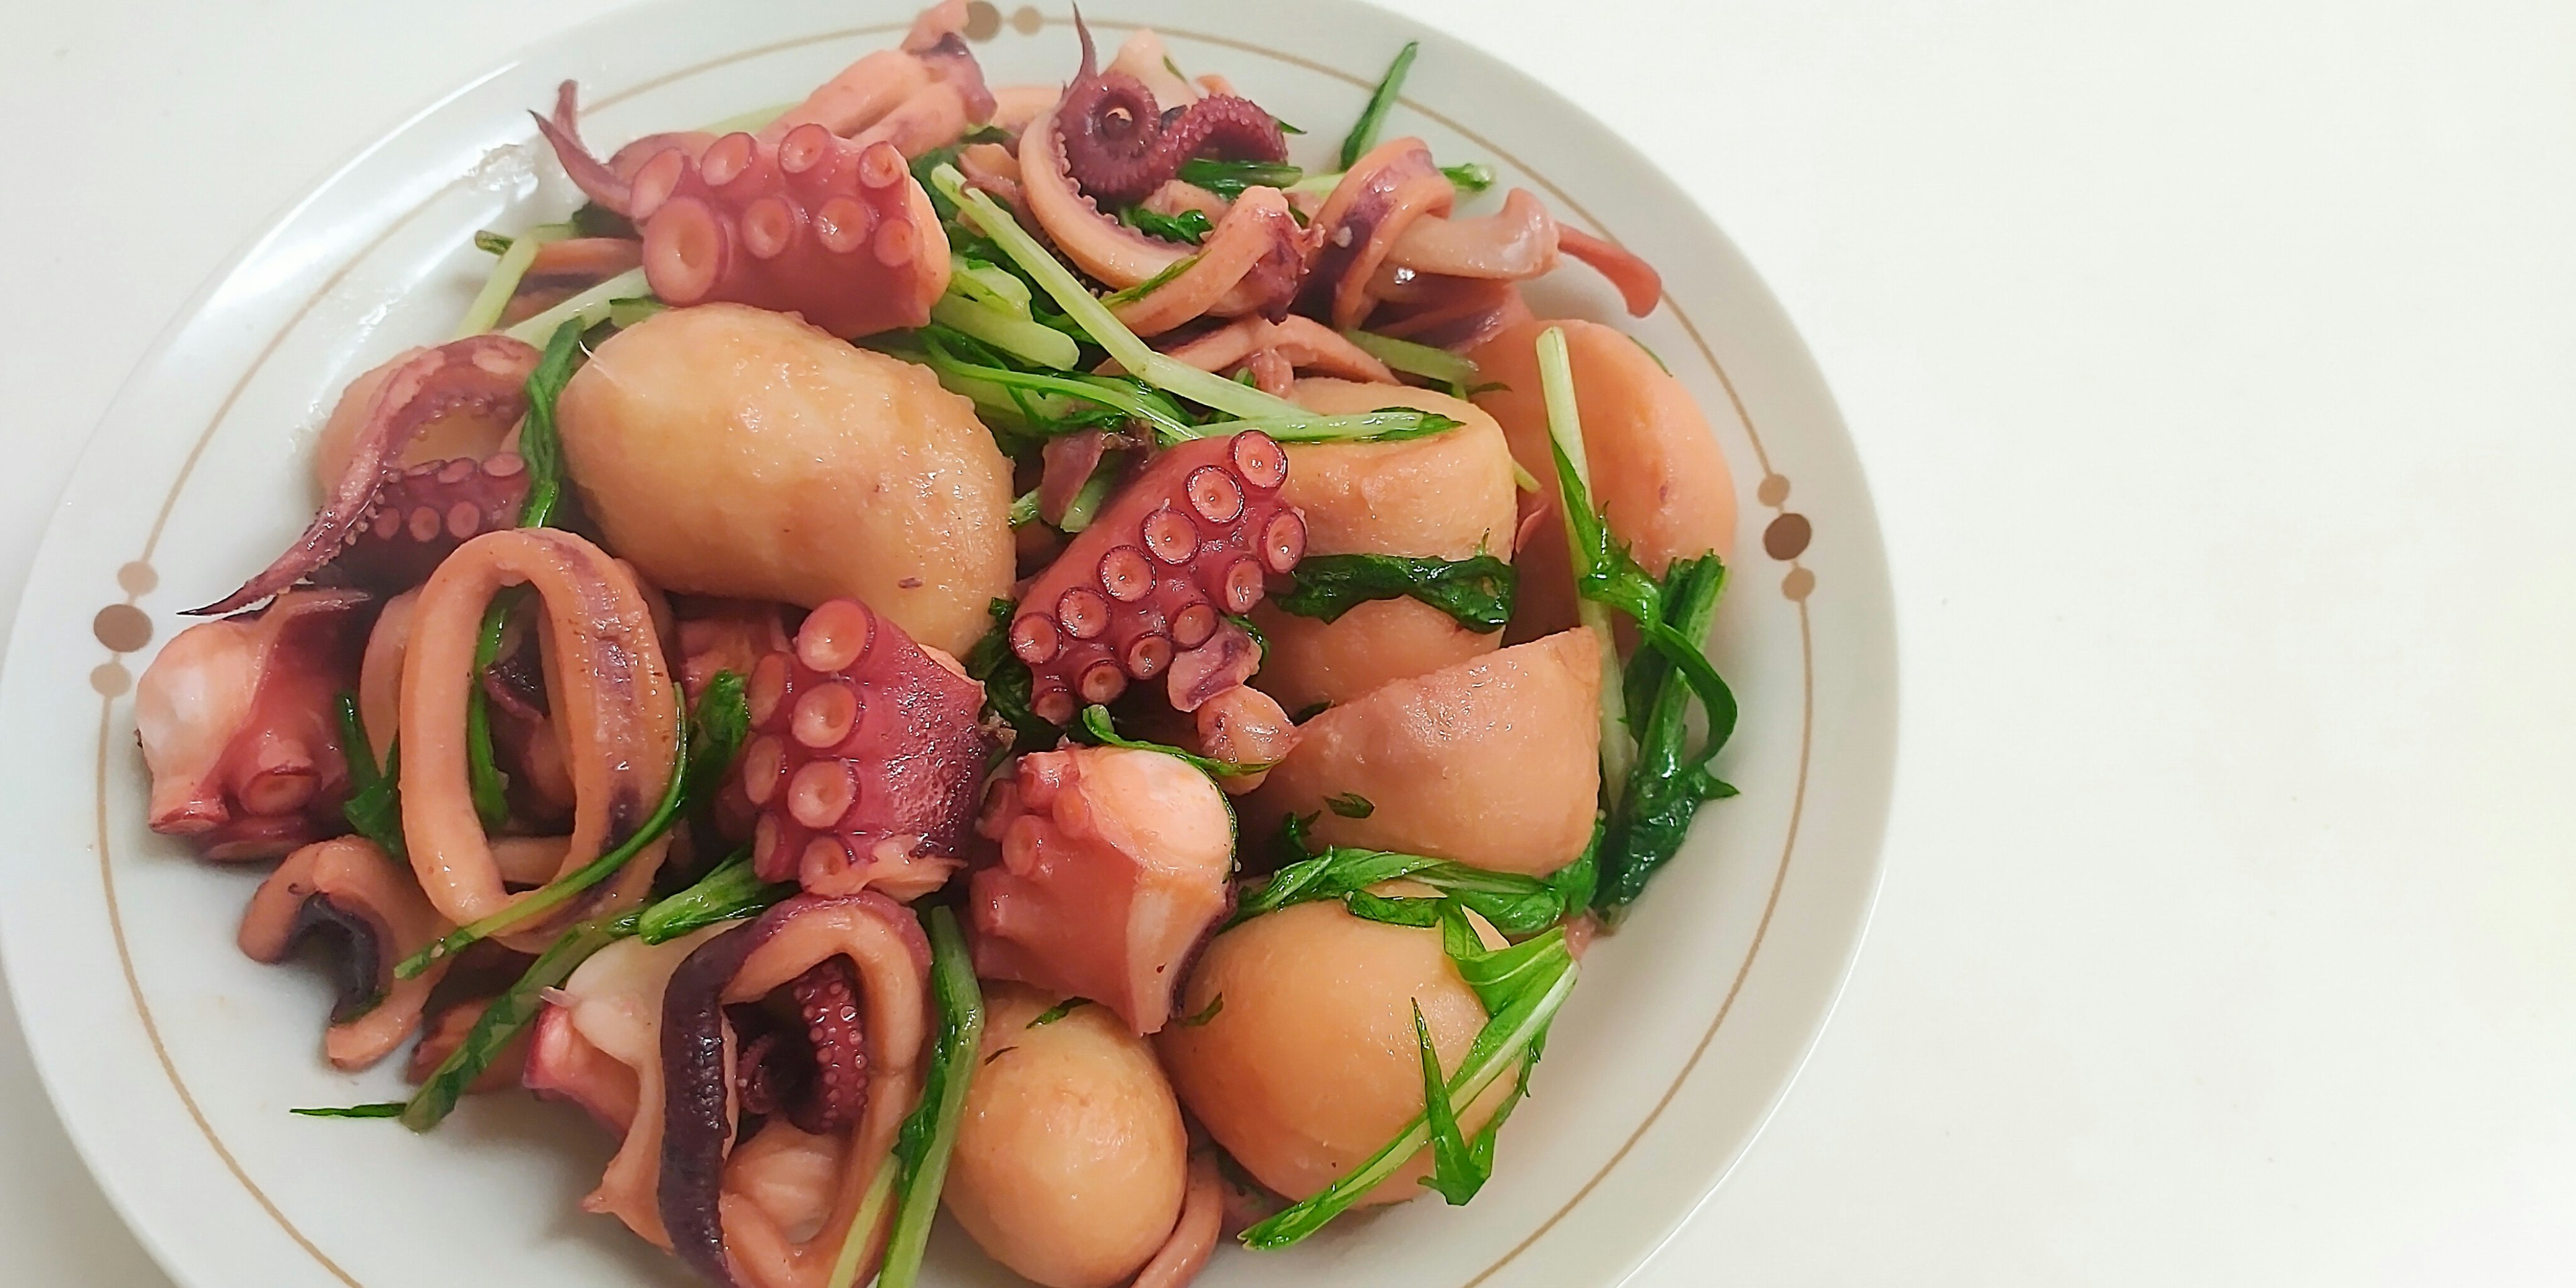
[109, 678]
[1026, 20]
[137, 578]
[123, 628]
[983, 21]
[1798, 584]
[1787, 537]
[1773, 490]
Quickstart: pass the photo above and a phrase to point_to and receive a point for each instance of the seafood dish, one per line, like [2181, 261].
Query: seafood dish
[1057, 653]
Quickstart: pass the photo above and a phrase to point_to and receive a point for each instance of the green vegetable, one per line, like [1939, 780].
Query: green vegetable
[539, 444]
[484, 780]
[591, 307]
[1400, 911]
[1522, 987]
[1006, 682]
[374, 807]
[626, 313]
[1057, 1012]
[1456, 1171]
[722, 721]
[1095, 722]
[1214, 1008]
[1093, 494]
[930, 1132]
[490, 242]
[1017, 336]
[1477, 592]
[1385, 425]
[1363, 135]
[1189, 227]
[1024, 508]
[1060, 403]
[1652, 803]
[389, 1109]
[1417, 359]
[1513, 904]
[1474, 176]
[485, 311]
[1350, 805]
[1150, 285]
[728, 892]
[1162, 371]
[1228, 179]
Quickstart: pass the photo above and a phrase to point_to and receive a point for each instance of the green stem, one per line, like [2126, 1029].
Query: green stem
[1019, 337]
[1386, 424]
[485, 312]
[591, 306]
[1565, 425]
[961, 1010]
[1416, 359]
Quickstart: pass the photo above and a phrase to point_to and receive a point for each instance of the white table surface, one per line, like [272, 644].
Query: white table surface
[2212, 366]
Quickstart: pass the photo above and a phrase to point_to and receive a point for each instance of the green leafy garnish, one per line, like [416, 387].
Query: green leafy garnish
[731, 891]
[1189, 227]
[1477, 592]
[516, 253]
[1650, 804]
[1214, 1008]
[1150, 285]
[921, 1149]
[374, 806]
[721, 722]
[1385, 425]
[1455, 1169]
[590, 308]
[539, 445]
[1404, 910]
[490, 242]
[1363, 135]
[1093, 494]
[485, 781]
[1020, 337]
[1474, 176]
[388, 1109]
[1228, 179]
[1524, 987]
[1057, 1012]
[1450, 369]
[1006, 682]
[1512, 903]
[1095, 722]
[1350, 805]
[1048, 403]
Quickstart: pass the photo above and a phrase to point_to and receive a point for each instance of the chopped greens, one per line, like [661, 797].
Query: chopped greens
[1477, 592]
[1150, 285]
[1094, 493]
[1189, 227]
[1214, 1008]
[1363, 135]
[1473, 176]
[383, 1109]
[1385, 425]
[590, 308]
[1048, 403]
[485, 782]
[930, 1131]
[1006, 682]
[1228, 179]
[374, 806]
[1450, 369]
[1057, 1012]
[1514, 904]
[1350, 805]
[1095, 722]
[1670, 782]
[721, 722]
[516, 255]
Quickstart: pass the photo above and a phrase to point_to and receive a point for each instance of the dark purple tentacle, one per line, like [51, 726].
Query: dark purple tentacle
[360, 969]
[1119, 148]
[696, 1122]
[424, 513]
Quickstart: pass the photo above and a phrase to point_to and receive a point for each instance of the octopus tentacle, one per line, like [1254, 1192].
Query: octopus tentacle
[1194, 1235]
[1640, 286]
[240, 729]
[1251, 261]
[1113, 867]
[609, 693]
[1244, 726]
[1305, 344]
[1120, 144]
[1382, 196]
[423, 514]
[865, 757]
[1456, 313]
[1192, 539]
[1519, 241]
[487, 374]
[350, 889]
[731, 1235]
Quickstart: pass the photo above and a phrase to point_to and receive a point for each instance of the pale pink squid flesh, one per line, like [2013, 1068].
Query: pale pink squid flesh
[366, 897]
[1300, 344]
[1114, 867]
[240, 726]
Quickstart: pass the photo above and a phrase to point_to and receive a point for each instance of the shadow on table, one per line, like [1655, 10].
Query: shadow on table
[57, 1227]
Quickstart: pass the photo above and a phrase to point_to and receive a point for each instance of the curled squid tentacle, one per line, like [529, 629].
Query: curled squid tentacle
[240, 727]
[1251, 262]
[1303, 343]
[1382, 196]
[1119, 144]
[349, 890]
[608, 690]
[864, 759]
[423, 514]
[486, 374]
[1517, 242]
[1114, 866]
[1191, 540]
[1194, 1236]
[1640, 286]
[878, 1044]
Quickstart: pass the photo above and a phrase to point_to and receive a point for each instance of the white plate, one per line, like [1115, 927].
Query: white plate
[173, 1059]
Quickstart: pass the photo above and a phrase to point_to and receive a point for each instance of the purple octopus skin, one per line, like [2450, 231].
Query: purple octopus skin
[815, 1074]
[1119, 147]
[423, 514]
[360, 966]
[697, 1122]
[1149, 584]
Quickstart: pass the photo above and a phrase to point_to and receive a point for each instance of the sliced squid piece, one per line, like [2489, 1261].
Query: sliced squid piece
[1491, 762]
[349, 890]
